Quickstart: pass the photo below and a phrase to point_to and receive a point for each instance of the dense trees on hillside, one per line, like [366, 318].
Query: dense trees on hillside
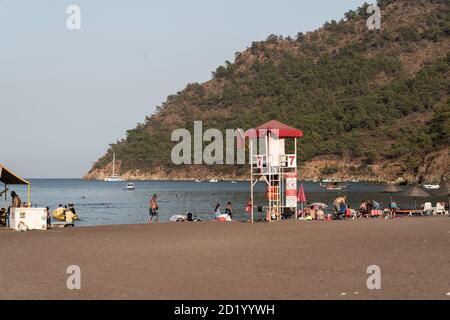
[348, 90]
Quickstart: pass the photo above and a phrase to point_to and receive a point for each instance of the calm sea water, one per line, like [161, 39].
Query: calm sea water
[106, 203]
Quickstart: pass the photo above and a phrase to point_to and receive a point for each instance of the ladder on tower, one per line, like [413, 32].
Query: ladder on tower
[275, 205]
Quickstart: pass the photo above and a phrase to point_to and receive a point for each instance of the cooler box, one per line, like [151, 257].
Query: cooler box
[33, 218]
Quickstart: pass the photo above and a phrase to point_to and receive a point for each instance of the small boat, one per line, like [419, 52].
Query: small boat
[130, 186]
[355, 181]
[114, 177]
[198, 181]
[213, 181]
[332, 186]
[432, 186]
[233, 182]
[327, 181]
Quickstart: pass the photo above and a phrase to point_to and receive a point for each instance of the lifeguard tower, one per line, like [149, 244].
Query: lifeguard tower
[270, 163]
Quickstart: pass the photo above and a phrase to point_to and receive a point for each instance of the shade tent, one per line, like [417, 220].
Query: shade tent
[7, 177]
[275, 127]
[416, 192]
[391, 189]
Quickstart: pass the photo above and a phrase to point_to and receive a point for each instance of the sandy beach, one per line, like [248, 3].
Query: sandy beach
[289, 260]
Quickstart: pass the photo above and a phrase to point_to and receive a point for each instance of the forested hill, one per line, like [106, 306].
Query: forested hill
[373, 105]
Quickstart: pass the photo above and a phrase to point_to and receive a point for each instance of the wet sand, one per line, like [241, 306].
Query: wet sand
[208, 260]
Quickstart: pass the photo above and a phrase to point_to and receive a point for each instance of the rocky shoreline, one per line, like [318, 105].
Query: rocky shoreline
[434, 169]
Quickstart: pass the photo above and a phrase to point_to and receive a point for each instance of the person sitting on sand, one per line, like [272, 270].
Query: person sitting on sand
[343, 209]
[320, 214]
[369, 208]
[153, 210]
[393, 207]
[217, 212]
[312, 213]
[337, 204]
[306, 212]
[363, 206]
[219, 216]
[376, 205]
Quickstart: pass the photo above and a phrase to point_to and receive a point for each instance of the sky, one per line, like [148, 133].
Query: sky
[65, 95]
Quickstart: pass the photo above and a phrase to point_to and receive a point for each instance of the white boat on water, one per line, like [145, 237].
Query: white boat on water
[213, 181]
[335, 185]
[198, 181]
[327, 181]
[233, 182]
[114, 177]
[130, 186]
[432, 186]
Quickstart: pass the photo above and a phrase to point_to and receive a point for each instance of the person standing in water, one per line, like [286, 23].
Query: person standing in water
[153, 211]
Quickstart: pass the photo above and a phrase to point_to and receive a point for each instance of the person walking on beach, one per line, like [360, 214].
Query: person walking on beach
[153, 211]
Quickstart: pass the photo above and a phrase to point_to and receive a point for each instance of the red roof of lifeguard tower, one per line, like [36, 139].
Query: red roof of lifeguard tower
[280, 129]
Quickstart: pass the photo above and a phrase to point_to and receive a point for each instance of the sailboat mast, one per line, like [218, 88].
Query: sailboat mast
[114, 165]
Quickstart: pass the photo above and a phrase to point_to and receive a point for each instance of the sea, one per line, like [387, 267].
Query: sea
[109, 203]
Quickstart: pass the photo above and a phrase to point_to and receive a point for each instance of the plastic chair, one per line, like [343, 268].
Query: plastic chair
[428, 209]
[440, 209]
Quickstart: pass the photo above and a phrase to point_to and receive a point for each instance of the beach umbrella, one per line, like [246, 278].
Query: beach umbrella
[391, 189]
[416, 192]
[319, 205]
[301, 197]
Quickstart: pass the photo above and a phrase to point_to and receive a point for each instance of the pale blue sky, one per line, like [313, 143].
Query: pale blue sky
[66, 95]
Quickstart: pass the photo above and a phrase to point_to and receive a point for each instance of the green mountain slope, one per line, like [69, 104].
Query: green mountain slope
[372, 104]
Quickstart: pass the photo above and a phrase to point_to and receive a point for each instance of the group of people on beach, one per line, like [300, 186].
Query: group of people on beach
[342, 210]
[227, 216]
[367, 208]
[219, 216]
[65, 213]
